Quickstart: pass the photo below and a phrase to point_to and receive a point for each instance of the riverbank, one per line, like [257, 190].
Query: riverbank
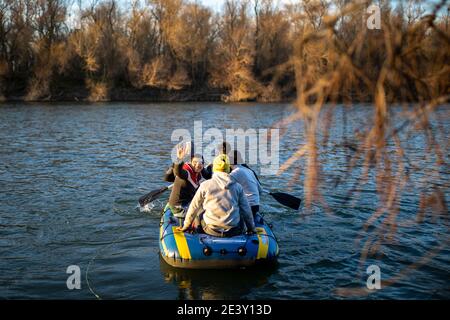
[81, 93]
[72, 92]
[146, 94]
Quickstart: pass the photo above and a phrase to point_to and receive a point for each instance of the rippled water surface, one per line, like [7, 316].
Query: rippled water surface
[70, 177]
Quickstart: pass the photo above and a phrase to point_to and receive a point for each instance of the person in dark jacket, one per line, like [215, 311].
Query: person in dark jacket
[186, 178]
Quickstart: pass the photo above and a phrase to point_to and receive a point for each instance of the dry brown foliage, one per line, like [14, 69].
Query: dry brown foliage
[400, 60]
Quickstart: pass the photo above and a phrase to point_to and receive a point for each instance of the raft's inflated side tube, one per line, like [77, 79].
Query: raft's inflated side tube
[202, 251]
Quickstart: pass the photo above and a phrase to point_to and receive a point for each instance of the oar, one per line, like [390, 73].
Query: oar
[153, 195]
[286, 199]
[283, 198]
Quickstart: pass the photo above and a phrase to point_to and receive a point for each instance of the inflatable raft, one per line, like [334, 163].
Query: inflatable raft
[202, 251]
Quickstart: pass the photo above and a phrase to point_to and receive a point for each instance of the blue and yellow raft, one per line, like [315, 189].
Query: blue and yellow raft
[202, 251]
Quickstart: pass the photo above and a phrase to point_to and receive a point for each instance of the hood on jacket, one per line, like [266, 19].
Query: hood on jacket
[223, 179]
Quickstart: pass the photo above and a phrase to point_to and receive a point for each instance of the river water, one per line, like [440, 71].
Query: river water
[70, 177]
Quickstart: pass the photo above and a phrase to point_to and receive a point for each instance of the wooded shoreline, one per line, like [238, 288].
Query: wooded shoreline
[180, 50]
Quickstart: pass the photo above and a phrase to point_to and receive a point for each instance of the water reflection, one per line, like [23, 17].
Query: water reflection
[215, 284]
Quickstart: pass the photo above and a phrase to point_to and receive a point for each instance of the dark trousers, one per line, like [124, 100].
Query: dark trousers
[255, 210]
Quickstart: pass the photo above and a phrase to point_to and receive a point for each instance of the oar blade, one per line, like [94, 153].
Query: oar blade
[287, 200]
[151, 196]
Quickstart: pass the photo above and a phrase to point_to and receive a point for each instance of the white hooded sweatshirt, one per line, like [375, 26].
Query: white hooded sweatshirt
[246, 178]
[224, 203]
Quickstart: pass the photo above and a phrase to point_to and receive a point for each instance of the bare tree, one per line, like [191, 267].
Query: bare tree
[48, 24]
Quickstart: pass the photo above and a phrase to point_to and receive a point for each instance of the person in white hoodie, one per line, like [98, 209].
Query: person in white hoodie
[226, 209]
[247, 178]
